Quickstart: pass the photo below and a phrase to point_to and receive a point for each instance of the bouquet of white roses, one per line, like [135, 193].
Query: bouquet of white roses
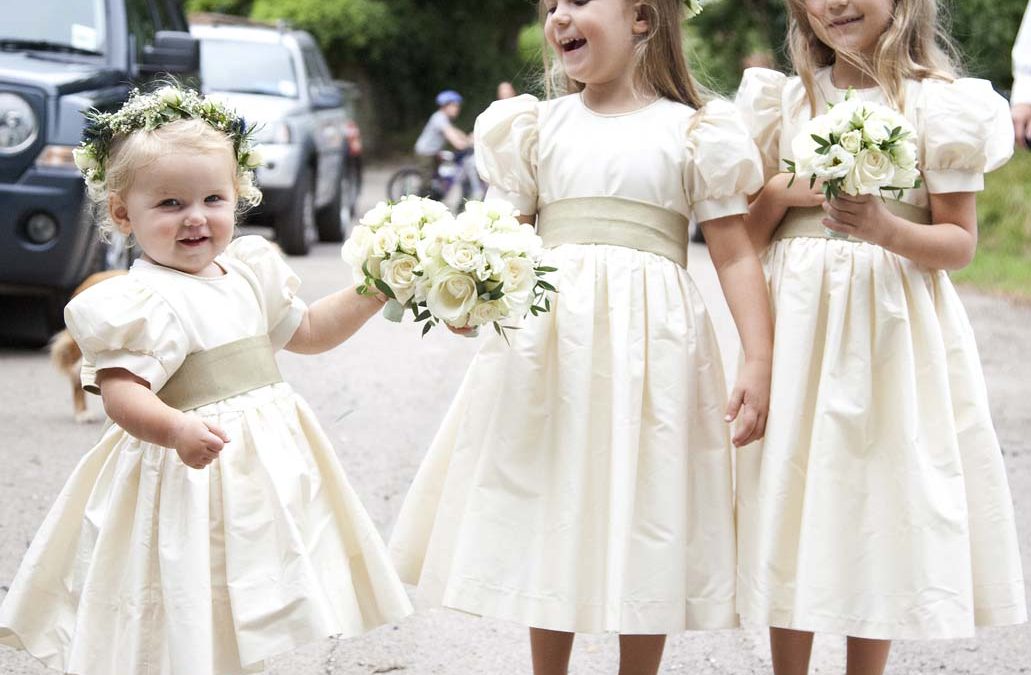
[482, 267]
[383, 249]
[857, 148]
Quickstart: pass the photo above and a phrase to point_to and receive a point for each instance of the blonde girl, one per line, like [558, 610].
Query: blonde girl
[877, 506]
[212, 526]
[581, 481]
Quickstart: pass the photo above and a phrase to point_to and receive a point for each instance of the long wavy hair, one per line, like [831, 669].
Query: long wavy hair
[659, 62]
[914, 46]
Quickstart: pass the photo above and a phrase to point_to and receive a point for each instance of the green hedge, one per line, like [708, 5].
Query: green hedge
[1003, 260]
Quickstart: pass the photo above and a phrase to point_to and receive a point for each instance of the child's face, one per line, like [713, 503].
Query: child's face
[594, 39]
[452, 110]
[181, 210]
[852, 25]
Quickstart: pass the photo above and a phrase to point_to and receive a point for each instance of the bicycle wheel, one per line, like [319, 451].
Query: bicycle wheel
[407, 181]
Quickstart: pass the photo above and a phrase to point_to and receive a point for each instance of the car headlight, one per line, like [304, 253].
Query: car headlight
[19, 126]
[272, 132]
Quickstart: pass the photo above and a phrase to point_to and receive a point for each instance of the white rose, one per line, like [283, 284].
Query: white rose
[408, 239]
[254, 158]
[376, 216]
[84, 159]
[852, 142]
[434, 210]
[905, 178]
[357, 247]
[474, 209]
[470, 226]
[464, 256]
[843, 112]
[524, 240]
[497, 209]
[517, 275]
[876, 130]
[487, 312]
[873, 170]
[507, 223]
[384, 242]
[398, 272]
[451, 295]
[904, 154]
[406, 213]
[169, 96]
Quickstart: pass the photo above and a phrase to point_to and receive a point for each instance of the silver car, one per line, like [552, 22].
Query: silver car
[277, 79]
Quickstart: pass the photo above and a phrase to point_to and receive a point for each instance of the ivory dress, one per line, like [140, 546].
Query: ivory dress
[144, 565]
[581, 480]
[877, 506]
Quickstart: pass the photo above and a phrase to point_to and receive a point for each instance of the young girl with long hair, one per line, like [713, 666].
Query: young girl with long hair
[581, 481]
[877, 506]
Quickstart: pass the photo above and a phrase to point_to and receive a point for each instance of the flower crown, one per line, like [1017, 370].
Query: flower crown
[145, 111]
[694, 8]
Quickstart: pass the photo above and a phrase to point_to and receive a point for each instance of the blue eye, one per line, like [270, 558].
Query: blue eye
[211, 199]
[169, 202]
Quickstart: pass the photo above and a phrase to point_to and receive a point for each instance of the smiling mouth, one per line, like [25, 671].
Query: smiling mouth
[193, 241]
[841, 23]
[570, 44]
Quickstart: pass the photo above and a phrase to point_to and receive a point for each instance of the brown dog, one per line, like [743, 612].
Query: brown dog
[67, 357]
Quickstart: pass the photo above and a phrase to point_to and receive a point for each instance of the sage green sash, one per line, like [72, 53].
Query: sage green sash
[617, 222]
[220, 373]
[807, 222]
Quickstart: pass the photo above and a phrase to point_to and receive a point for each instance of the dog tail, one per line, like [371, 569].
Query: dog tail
[64, 352]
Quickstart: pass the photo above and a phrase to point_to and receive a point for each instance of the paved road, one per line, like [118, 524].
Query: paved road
[350, 388]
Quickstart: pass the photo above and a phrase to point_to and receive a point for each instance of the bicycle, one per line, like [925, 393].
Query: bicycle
[448, 172]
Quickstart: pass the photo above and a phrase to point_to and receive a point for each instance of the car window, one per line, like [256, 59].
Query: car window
[247, 67]
[317, 75]
[80, 25]
[142, 23]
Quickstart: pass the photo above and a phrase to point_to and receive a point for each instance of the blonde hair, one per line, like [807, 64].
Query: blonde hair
[659, 62]
[134, 152]
[913, 46]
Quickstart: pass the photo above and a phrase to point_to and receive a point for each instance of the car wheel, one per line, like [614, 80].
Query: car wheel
[296, 229]
[328, 219]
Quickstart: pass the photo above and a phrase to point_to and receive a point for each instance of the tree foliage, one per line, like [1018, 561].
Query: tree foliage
[730, 30]
[405, 51]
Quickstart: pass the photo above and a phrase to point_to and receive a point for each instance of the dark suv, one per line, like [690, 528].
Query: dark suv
[58, 58]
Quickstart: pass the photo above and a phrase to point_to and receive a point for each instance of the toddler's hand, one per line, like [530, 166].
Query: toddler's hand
[750, 402]
[198, 442]
[799, 195]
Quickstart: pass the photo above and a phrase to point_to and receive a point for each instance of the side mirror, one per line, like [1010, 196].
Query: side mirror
[323, 97]
[173, 52]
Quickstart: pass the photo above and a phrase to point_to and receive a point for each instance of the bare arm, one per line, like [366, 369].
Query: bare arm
[457, 138]
[769, 206]
[333, 319]
[948, 245]
[130, 404]
[744, 286]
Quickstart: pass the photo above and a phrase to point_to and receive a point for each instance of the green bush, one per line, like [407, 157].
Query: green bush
[1003, 259]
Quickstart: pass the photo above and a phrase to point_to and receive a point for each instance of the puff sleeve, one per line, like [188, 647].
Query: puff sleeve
[966, 130]
[274, 283]
[506, 136]
[723, 165]
[122, 323]
[759, 100]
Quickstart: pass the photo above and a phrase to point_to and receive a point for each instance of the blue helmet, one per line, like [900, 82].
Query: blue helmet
[448, 96]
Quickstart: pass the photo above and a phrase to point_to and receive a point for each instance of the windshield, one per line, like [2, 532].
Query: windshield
[247, 67]
[53, 25]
